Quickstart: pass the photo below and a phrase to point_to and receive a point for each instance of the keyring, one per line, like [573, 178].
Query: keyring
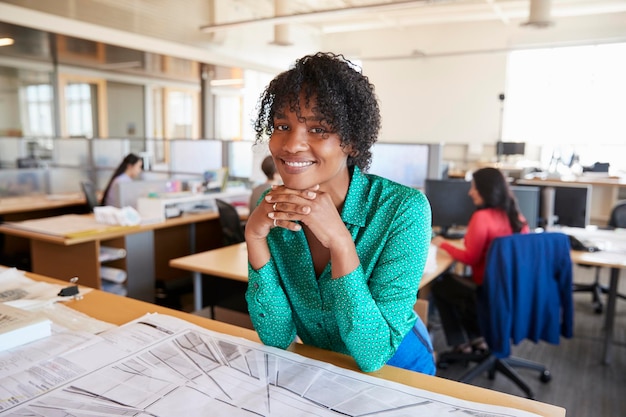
[275, 221]
[274, 208]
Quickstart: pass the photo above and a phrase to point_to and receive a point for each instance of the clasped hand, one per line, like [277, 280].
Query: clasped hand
[288, 208]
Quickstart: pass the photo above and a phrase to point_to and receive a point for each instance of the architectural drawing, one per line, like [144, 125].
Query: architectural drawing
[162, 366]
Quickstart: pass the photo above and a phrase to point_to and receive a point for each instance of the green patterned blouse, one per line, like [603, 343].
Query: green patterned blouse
[365, 313]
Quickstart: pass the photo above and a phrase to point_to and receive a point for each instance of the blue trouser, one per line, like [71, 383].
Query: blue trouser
[415, 353]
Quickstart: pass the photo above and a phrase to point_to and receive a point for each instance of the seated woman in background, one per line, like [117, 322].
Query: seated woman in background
[335, 255]
[496, 215]
[128, 170]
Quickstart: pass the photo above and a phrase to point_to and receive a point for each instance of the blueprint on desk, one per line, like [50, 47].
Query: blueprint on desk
[163, 366]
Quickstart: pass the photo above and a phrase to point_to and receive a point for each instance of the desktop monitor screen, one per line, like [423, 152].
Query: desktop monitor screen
[511, 148]
[572, 206]
[404, 163]
[528, 200]
[240, 159]
[450, 204]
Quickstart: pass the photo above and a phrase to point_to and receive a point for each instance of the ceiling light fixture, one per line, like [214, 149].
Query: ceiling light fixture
[540, 14]
[225, 82]
[6, 41]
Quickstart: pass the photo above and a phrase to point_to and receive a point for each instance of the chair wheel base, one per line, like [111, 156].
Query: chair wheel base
[545, 376]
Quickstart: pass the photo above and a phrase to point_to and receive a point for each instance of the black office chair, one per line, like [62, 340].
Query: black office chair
[89, 190]
[526, 294]
[232, 231]
[220, 291]
[616, 220]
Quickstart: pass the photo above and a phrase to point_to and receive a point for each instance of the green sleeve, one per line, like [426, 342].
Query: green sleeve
[268, 307]
[375, 314]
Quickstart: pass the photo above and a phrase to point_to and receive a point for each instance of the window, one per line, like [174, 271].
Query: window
[79, 116]
[571, 99]
[83, 106]
[182, 120]
[38, 110]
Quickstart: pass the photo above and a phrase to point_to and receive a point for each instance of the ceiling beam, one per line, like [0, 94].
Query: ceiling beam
[318, 15]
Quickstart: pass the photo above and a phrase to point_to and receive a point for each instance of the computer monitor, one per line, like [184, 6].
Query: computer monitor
[240, 159]
[528, 200]
[404, 163]
[511, 148]
[572, 206]
[450, 204]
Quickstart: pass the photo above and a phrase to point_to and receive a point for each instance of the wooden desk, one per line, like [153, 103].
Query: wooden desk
[120, 310]
[232, 262]
[148, 247]
[35, 203]
[20, 208]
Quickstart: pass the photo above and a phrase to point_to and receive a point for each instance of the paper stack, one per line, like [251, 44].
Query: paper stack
[18, 327]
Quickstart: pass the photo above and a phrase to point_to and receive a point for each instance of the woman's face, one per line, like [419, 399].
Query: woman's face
[475, 195]
[134, 170]
[307, 152]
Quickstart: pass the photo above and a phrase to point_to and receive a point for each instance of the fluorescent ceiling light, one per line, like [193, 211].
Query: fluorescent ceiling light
[230, 81]
[6, 41]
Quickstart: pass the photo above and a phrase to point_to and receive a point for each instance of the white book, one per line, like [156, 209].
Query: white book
[18, 327]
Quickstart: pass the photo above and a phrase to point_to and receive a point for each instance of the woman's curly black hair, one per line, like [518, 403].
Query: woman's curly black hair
[342, 95]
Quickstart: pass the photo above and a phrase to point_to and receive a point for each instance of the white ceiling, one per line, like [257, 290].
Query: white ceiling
[335, 16]
[253, 30]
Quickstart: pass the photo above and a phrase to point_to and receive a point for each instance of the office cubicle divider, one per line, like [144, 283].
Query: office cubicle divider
[72, 160]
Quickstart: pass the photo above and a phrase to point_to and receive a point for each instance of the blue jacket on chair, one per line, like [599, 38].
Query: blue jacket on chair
[527, 291]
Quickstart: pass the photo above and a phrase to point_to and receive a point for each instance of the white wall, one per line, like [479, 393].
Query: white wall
[448, 99]
[125, 103]
[446, 89]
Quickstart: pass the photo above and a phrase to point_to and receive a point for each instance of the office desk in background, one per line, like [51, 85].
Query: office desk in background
[613, 257]
[604, 191]
[34, 206]
[119, 310]
[231, 262]
[149, 248]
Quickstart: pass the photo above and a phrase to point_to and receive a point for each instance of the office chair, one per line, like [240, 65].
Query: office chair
[526, 294]
[232, 232]
[223, 292]
[616, 220]
[90, 194]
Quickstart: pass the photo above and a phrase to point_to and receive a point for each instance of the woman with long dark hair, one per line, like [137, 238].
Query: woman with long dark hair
[496, 215]
[128, 170]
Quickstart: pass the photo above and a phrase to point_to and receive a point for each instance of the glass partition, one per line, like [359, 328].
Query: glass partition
[110, 152]
[67, 179]
[71, 152]
[15, 182]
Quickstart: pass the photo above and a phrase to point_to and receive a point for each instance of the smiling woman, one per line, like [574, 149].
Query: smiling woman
[335, 255]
